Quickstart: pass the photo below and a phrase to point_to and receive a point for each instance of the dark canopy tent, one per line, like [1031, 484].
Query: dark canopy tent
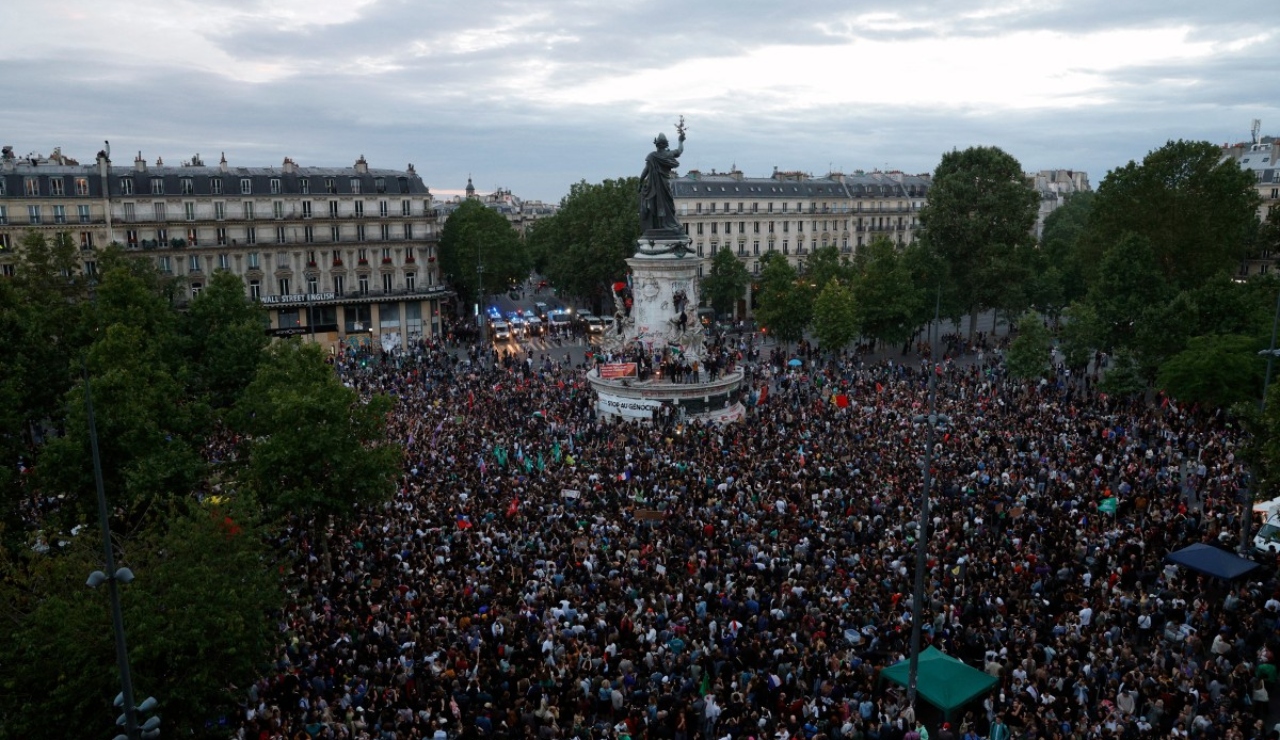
[1211, 561]
[943, 681]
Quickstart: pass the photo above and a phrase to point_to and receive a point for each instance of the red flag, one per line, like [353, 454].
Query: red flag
[842, 401]
[879, 388]
[764, 393]
[463, 522]
[513, 507]
[471, 399]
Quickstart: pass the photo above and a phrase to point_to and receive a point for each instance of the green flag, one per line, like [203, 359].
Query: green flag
[541, 465]
[1108, 505]
[555, 451]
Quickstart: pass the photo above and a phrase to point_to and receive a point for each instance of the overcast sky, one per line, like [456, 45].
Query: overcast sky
[536, 95]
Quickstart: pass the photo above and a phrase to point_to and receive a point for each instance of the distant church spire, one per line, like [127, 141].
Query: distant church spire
[471, 189]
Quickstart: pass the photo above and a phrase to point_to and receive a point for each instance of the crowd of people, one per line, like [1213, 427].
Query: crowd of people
[545, 573]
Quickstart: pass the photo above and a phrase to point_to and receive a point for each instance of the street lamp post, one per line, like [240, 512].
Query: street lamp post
[1246, 502]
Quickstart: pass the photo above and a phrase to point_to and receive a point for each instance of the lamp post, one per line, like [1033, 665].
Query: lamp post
[922, 532]
[1246, 513]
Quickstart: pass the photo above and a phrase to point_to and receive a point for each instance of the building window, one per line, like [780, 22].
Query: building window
[355, 185]
[86, 240]
[131, 237]
[410, 279]
[755, 248]
[699, 228]
[193, 263]
[382, 208]
[224, 261]
[246, 186]
[159, 210]
[83, 213]
[282, 260]
[4, 213]
[282, 285]
[385, 229]
[362, 254]
[360, 232]
[55, 186]
[82, 186]
[408, 231]
[304, 185]
[280, 235]
[330, 185]
[196, 288]
[33, 214]
[192, 238]
[188, 186]
[338, 284]
[255, 290]
[387, 282]
[333, 209]
[251, 235]
[189, 211]
[306, 209]
[215, 185]
[335, 234]
[165, 265]
[31, 185]
[364, 284]
[277, 209]
[157, 186]
[59, 214]
[247, 207]
[252, 259]
[359, 209]
[308, 234]
[220, 211]
[313, 284]
[91, 268]
[126, 186]
[162, 236]
[221, 236]
[4, 242]
[406, 208]
[380, 184]
[275, 186]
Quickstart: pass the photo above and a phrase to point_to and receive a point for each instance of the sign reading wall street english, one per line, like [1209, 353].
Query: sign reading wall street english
[298, 298]
[638, 408]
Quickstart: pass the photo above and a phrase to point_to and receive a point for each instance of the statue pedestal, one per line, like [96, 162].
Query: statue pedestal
[663, 323]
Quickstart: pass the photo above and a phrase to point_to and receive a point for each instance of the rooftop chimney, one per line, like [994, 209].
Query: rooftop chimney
[362, 166]
[223, 164]
[139, 163]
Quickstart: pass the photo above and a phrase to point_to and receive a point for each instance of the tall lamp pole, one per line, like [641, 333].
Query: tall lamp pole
[922, 532]
[1246, 513]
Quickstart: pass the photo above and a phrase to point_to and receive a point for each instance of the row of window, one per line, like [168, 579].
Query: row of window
[282, 235]
[358, 317]
[86, 241]
[873, 223]
[253, 260]
[56, 186]
[248, 210]
[813, 207]
[275, 186]
[36, 215]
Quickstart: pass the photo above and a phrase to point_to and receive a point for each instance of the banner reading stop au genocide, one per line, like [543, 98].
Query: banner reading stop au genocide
[638, 408]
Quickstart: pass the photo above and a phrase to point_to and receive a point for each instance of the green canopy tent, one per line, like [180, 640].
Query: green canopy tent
[943, 681]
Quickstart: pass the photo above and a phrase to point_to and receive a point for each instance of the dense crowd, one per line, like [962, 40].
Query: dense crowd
[544, 574]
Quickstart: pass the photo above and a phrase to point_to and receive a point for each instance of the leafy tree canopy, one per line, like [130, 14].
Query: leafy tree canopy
[784, 305]
[725, 282]
[835, 315]
[1028, 356]
[585, 245]
[478, 235]
[1217, 370]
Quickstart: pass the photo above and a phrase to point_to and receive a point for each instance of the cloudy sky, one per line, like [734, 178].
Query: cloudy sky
[535, 95]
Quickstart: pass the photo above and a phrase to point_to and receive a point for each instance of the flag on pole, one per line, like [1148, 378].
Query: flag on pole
[1108, 505]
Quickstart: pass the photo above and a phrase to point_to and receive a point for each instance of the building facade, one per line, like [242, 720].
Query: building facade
[1054, 187]
[1259, 158]
[519, 212]
[344, 255]
[793, 213]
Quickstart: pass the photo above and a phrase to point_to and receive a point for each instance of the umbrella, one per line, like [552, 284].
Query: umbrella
[795, 362]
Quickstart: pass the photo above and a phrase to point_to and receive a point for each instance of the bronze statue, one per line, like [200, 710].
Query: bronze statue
[657, 203]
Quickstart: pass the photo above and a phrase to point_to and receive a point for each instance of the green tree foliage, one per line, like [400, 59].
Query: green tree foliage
[826, 264]
[1124, 376]
[726, 281]
[316, 448]
[1196, 210]
[1218, 370]
[1060, 244]
[890, 303]
[223, 340]
[196, 619]
[476, 234]
[1127, 284]
[835, 316]
[1081, 336]
[979, 220]
[585, 245]
[784, 303]
[1028, 356]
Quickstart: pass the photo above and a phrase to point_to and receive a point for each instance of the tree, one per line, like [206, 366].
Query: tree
[835, 316]
[1197, 210]
[1218, 370]
[725, 282]
[316, 449]
[826, 264]
[978, 219]
[223, 340]
[1124, 377]
[477, 235]
[1081, 336]
[889, 302]
[1059, 243]
[1028, 356]
[784, 305]
[588, 241]
[196, 618]
[1128, 283]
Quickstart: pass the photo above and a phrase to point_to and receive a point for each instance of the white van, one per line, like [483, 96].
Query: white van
[1267, 538]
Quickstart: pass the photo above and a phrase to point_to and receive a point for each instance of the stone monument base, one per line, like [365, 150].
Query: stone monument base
[630, 399]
